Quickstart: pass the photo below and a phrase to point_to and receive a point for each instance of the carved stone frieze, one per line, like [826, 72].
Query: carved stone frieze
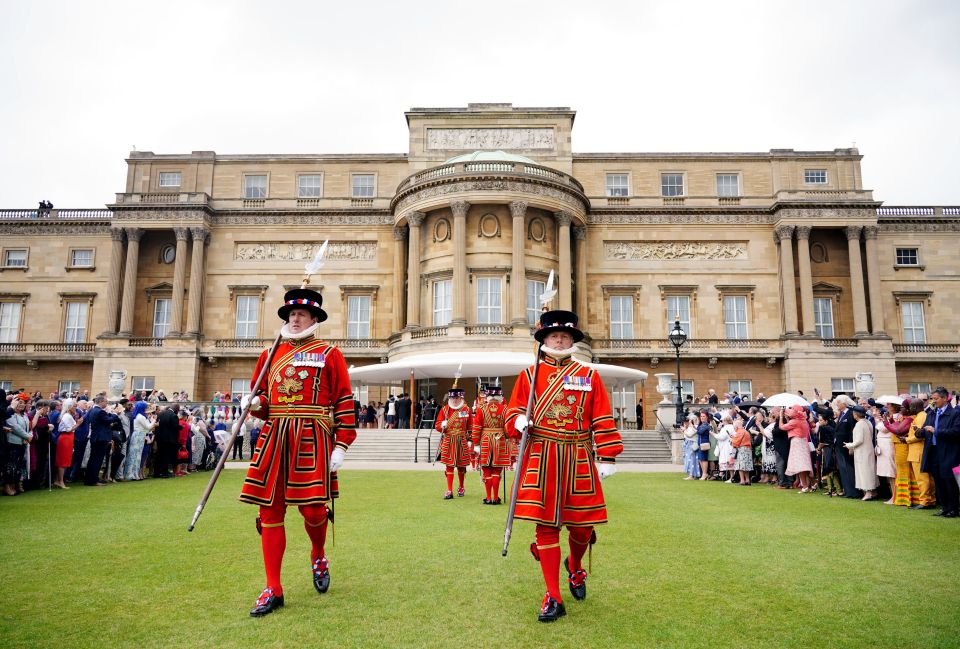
[802, 213]
[474, 139]
[511, 186]
[658, 250]
[54, 229]
[296, 251]
[303, 219]
[681, 219]
[944, 226]
[159, 215]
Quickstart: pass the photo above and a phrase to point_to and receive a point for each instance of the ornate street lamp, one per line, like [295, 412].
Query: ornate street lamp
[677, 338]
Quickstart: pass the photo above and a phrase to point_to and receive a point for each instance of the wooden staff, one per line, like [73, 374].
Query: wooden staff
[310, 269]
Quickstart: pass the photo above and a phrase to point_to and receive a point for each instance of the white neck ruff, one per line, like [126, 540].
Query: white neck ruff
[306, 333]
[558, 354]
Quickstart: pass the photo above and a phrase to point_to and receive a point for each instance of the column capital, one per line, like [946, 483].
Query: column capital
[400, 233]
[414, 219]
[563, 217]
[783, 232]
[803, 231]
[200, 234]
[518, 209]
[116, 234]
[580, 232]
[853, 232]
[182, 234]
[134, 234]
[871, 231]
[459, 208]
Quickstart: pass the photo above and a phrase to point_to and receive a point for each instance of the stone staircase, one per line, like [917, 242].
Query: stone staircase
[392, 445]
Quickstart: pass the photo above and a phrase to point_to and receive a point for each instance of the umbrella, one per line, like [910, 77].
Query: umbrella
[785, 399]
[889, 398]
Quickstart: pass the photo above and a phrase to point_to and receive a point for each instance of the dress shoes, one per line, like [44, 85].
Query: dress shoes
[951, 515]
[448, 495]
[460, 492]
[577, 580]
[941, 513]
[267, 603]
[321, 575]
[552, 610]
[496, 502]
[487, 502]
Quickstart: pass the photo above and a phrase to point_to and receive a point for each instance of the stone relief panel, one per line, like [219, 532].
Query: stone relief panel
[296, 251]
[303, 219]
[473, 139]
[489, 226]
[657, 250]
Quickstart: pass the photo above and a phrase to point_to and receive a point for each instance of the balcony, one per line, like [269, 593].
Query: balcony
[251, 347]
[927, 352]
[604, 348]
[162, 198]
[47, 351]
[71, 216]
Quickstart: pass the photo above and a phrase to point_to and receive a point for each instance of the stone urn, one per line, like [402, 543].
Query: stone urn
[865, 384]
[115, 385]
[665, 386]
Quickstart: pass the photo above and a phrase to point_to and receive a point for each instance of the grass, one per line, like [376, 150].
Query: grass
[681, 564]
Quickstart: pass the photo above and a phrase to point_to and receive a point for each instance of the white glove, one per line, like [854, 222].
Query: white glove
[476, 449]
[606, 470]
[254, 405]
[443, 425]
[521, 423]
[336, 459]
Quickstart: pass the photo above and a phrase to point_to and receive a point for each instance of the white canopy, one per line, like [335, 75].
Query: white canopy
[445, 364]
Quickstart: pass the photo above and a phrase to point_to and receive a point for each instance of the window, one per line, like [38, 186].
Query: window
[913, 325]
[75, 329]
[815, 176]
[15, 257]
[255, 186]
[68, 386]
[9, 322]
[168, 254]
[358, 316]
[81, 258]
[916, 388]
[248, 309]
[907, 257]
[744, 387]
[488, 300]
[6, 386]
[534, 291]
[671, 184]
[308, 186]
[239, 388]
[842, 386]
[686, 390]
[441, 302]
[735, 317]
[823, 316]
[361, 186]
[679, 305]
[140, 383]
[161, 316]
[618, 185]
[728, 185]
[428, 388]
[169, 178]
[621, 316]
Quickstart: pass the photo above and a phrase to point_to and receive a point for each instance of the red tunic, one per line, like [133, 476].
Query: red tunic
[453, 445]
[570, 427]
[309, 411]
[488, 432]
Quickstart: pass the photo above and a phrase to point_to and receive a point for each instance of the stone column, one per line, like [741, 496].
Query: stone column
[518, 303]
[856, 280]
[414, 220]
[130, 281]
[564, 278]
[873, 279]
[179, 276]
[458, 308]
[806, 279]
[400, 236]
[200, 238]
[116, 278]
[580, 239]
[784, 234]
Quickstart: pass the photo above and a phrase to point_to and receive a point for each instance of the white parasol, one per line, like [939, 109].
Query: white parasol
[785, 400]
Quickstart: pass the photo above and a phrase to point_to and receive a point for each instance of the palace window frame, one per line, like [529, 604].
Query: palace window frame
[741, 329]
[162, 316]
[441, 296]
[617, 184]
[842, 385]
[907, 258]
[310, 190]
[239, 387]
[823, 327]
[913, 333]
[76, 320]
[76, 260]
[142, 383]
[253, 189]
[68, 385]
[348, 294]
[535, 288]
[743, 387]
[669, 187]
[11, 320]
[12, 258]
[724, 190]
[621, 317]
[166, 179]
[489, 295]
[247, 292]
[360, 188]
[913, 389]
[815, 177]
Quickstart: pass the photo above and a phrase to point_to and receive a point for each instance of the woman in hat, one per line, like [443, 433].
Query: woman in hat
[572, 445]
[490, 443]
[455, 422]
[307, 404]
[864, 456]
[141, 426]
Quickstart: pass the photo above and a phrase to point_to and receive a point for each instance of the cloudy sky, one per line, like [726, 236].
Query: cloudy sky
[83, 82]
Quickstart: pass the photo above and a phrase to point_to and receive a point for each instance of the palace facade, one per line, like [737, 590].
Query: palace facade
[784, 271]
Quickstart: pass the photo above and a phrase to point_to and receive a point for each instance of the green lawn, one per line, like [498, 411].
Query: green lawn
[681, 564]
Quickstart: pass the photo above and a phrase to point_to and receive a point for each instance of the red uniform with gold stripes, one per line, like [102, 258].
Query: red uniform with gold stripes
[453, 447]
[488, 433]
[308, 412]
[570, 428]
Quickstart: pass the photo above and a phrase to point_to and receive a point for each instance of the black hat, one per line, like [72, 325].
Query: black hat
[860, 410]
[552, 321]
[455, 392]
[494, 390]
[302, 298]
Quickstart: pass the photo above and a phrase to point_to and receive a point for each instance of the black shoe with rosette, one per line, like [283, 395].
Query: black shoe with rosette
[321, 575]
[577, 580]
[267, 603]
[551, 610]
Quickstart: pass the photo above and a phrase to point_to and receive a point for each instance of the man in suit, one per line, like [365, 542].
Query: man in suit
[943, 430]
[404, 407]
[168, 430]
[102, 425]
[844, 435]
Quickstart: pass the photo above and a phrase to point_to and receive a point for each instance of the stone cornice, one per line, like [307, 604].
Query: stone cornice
[56, 229]
[925, 225]
[472, 183]
[292, 218]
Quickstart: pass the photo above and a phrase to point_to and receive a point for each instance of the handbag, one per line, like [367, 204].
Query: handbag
[182, 453]
[705, 446]
[812, 447]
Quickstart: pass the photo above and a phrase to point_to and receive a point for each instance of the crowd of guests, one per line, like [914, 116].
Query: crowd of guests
[397, 412]
[906, 453]
[72, 438]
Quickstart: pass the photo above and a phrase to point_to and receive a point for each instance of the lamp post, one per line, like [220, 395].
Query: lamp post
[677, 338]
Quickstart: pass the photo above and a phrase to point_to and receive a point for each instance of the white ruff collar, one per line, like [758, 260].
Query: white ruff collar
[558, 354]
[306, 333]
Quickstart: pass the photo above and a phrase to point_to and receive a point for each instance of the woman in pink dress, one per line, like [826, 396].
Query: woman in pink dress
[798, 430]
